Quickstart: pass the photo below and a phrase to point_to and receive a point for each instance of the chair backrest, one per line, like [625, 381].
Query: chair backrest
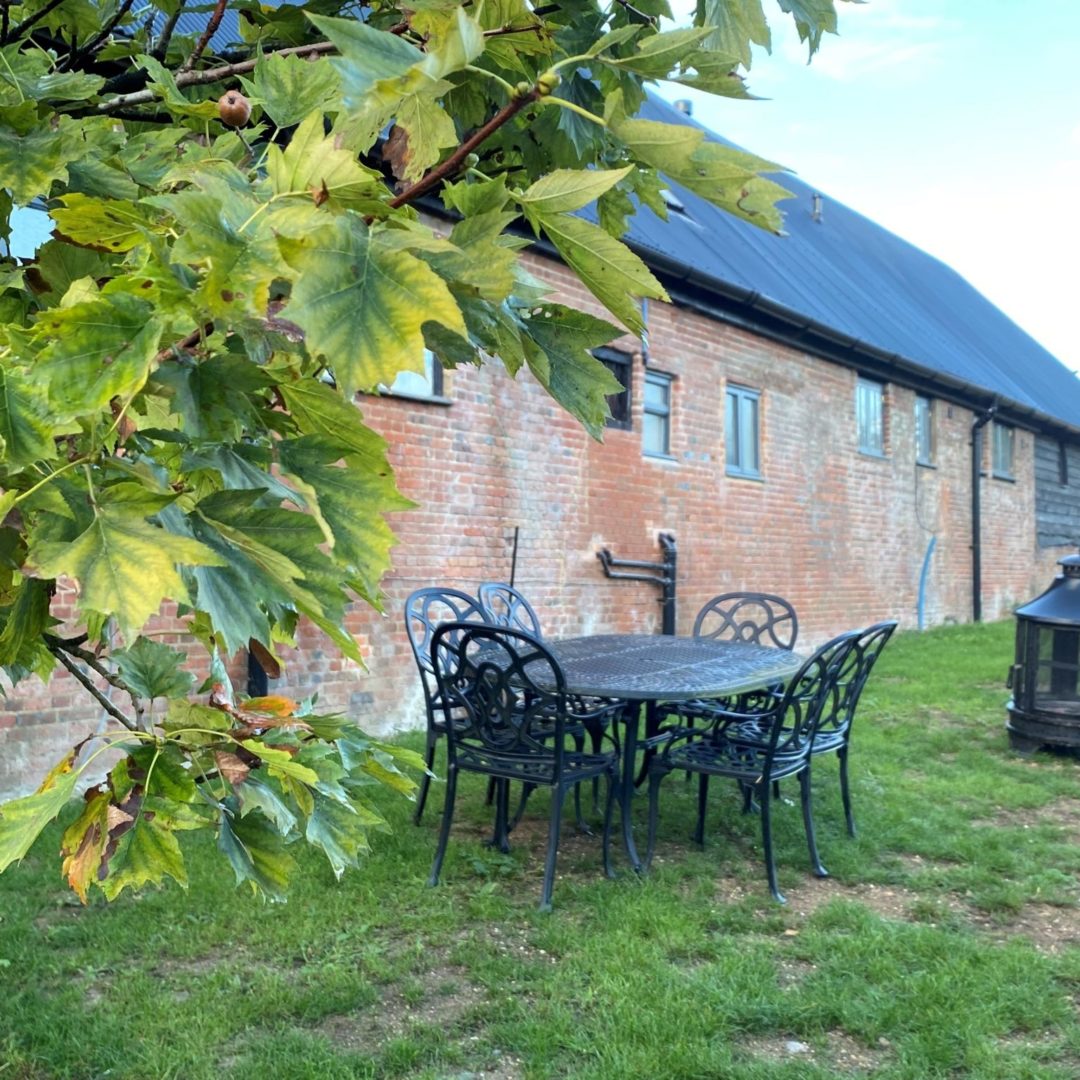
[425, 610]
[502, 695]
[760, 618]
[838, 711]
[807, 694]
[503, 605]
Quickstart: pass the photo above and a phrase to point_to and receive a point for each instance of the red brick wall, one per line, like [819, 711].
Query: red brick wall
[840, 533]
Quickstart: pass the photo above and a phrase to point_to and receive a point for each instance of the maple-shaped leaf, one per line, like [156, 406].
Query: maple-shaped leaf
[31, 162]
[22, 820]
[101, 224]
[290, 87]
[339, 829]
[362, 304]
[122, 565]
[153, 670]
[25, 429]
[84, 841]
[142, 848]
[256, 852]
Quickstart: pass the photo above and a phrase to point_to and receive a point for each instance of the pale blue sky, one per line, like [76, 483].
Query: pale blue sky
[955, 124]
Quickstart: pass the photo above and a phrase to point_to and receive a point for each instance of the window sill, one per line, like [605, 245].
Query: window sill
[1003, 478]
[421, 399]
[925, 464]
[877, 455]
[738, 474]
[652, 455]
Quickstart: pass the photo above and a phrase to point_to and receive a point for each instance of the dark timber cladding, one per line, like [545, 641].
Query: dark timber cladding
[848, 290]
[1057, 483]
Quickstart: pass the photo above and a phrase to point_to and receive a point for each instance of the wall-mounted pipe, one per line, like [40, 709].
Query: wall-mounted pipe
[663, 573]
[924, 575]
[980, 421]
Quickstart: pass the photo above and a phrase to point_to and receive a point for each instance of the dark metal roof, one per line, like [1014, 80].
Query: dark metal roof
[860, 283]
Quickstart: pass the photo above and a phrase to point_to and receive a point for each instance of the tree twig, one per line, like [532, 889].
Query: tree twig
[88, 684]
[100, 38]
[211, 29]
[70, 646]
[455, 161]
[212, 75]
[162, 47]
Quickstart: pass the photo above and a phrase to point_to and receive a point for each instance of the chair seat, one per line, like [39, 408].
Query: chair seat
[735, 758]
[534, 769]
[828, 741]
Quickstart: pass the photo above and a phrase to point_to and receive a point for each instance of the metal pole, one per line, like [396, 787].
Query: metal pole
[513, 556]
[976, 511]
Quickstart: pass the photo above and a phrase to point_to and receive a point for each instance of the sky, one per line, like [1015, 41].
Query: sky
[953, 123]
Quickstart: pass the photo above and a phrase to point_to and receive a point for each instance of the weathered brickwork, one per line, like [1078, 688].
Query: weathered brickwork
[841, 533]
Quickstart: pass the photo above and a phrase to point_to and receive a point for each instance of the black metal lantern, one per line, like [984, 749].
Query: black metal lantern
[1045, 679]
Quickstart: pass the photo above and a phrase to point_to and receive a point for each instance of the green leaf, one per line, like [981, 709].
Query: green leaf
[569, 189]
[280, 763]
[163, 84]
[22, 820]
[257, 853]
[339, 830]
[30, 163]
[736, 24]
[362, 305]
[110, 225]
[557, 350]
[153, 670]
[97, 350]
[25, 426]
[607, 267]
[142, 850]
[812, 18]
[83, 844]
[24, 623]
[123, 565]
[290, 87]
[429, 130]
[255, 794]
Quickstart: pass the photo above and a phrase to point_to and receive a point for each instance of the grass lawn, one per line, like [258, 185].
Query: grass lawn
[946, 942]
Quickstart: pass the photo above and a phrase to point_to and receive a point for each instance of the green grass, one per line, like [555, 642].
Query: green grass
[946, 943]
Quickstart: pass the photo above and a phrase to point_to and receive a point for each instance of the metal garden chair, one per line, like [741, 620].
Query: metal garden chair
[507, 715]
[834, 729]
[758, 749]
[426, 609]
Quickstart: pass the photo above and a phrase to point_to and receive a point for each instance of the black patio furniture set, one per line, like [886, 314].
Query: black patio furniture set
[733, 701]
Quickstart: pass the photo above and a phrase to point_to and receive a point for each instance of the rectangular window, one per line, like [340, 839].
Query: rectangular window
[870, 416]
[1004, 446]
[620, 365]
[924, 430]
[742, 432]
[656, 432]
[416, 385]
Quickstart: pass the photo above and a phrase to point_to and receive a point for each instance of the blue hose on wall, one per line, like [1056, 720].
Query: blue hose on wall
[923, 575]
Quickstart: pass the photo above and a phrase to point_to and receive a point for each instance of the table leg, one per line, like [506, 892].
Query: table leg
[631, 717]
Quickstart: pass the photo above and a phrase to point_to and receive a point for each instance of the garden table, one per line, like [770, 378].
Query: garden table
[648, 669]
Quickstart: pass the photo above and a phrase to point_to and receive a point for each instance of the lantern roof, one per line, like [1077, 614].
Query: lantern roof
[1060, 604]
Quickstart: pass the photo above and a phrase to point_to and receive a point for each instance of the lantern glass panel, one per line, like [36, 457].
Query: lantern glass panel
[1057, 683]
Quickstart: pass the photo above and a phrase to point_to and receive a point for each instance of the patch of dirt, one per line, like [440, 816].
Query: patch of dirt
[792, 973]
[1062, 813]
[448, 996]
[841, 1054]
[888, 901]
[1049, 928]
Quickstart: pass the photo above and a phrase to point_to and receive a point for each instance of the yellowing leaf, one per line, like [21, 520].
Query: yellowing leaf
[22, 820]
[569, 189]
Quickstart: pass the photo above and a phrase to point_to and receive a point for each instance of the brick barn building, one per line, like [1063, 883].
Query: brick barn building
[802, 421]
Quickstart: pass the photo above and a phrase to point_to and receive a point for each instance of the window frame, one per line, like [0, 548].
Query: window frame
[863, 384]
[657, 378]
[735, 397]
[435, 379]
[624, 361]
[929, 459]
[996, 441]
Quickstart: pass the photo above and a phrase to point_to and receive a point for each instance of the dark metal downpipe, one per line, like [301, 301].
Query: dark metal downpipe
[661, 573]
[977, 425]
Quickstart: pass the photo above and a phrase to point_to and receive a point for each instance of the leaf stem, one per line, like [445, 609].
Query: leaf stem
[48, 479]
[507, 86]
[563, 103]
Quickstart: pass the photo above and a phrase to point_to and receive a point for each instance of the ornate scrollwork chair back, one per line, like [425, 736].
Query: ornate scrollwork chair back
[503, 605]
[426, 609]
[758, 618]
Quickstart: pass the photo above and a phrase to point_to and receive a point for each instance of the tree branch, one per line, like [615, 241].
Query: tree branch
[100, 38]
[29, 21]
[98, 696]
[207, 34]
[162, 47]
[212, 75]
[58, 646]
[455, 161]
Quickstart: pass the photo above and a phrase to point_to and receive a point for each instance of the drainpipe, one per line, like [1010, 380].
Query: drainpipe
[977, 425]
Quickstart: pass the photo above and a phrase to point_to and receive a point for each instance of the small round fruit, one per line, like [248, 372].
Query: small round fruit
[547, 82]
[234, 109]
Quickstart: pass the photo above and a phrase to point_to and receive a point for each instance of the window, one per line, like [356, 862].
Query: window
[742, 432]
[620, 365]
[1004, 445]
[924, 430]
[870, 416]
[656, 433]
[416, 385]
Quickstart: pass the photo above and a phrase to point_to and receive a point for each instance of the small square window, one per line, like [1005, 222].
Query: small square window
[742, 432]
[924, 430]
[870, 416]
[1004, 450]
[656, 431]
[620, 365]
[415, 384]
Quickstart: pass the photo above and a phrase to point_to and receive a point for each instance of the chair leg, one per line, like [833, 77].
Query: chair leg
[655, 777]
[808, 822]
[579, 821]
[609, 813]
[526, 790]
[766, 840]
[702, 800]
[558, 794]
[845, 790]
[489, 798]
[447, 817]
[425, 780]
[500, 839]
[596, 737]
[748, 798]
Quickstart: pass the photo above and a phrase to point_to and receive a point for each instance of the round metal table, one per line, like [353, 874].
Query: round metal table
[649, 669]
